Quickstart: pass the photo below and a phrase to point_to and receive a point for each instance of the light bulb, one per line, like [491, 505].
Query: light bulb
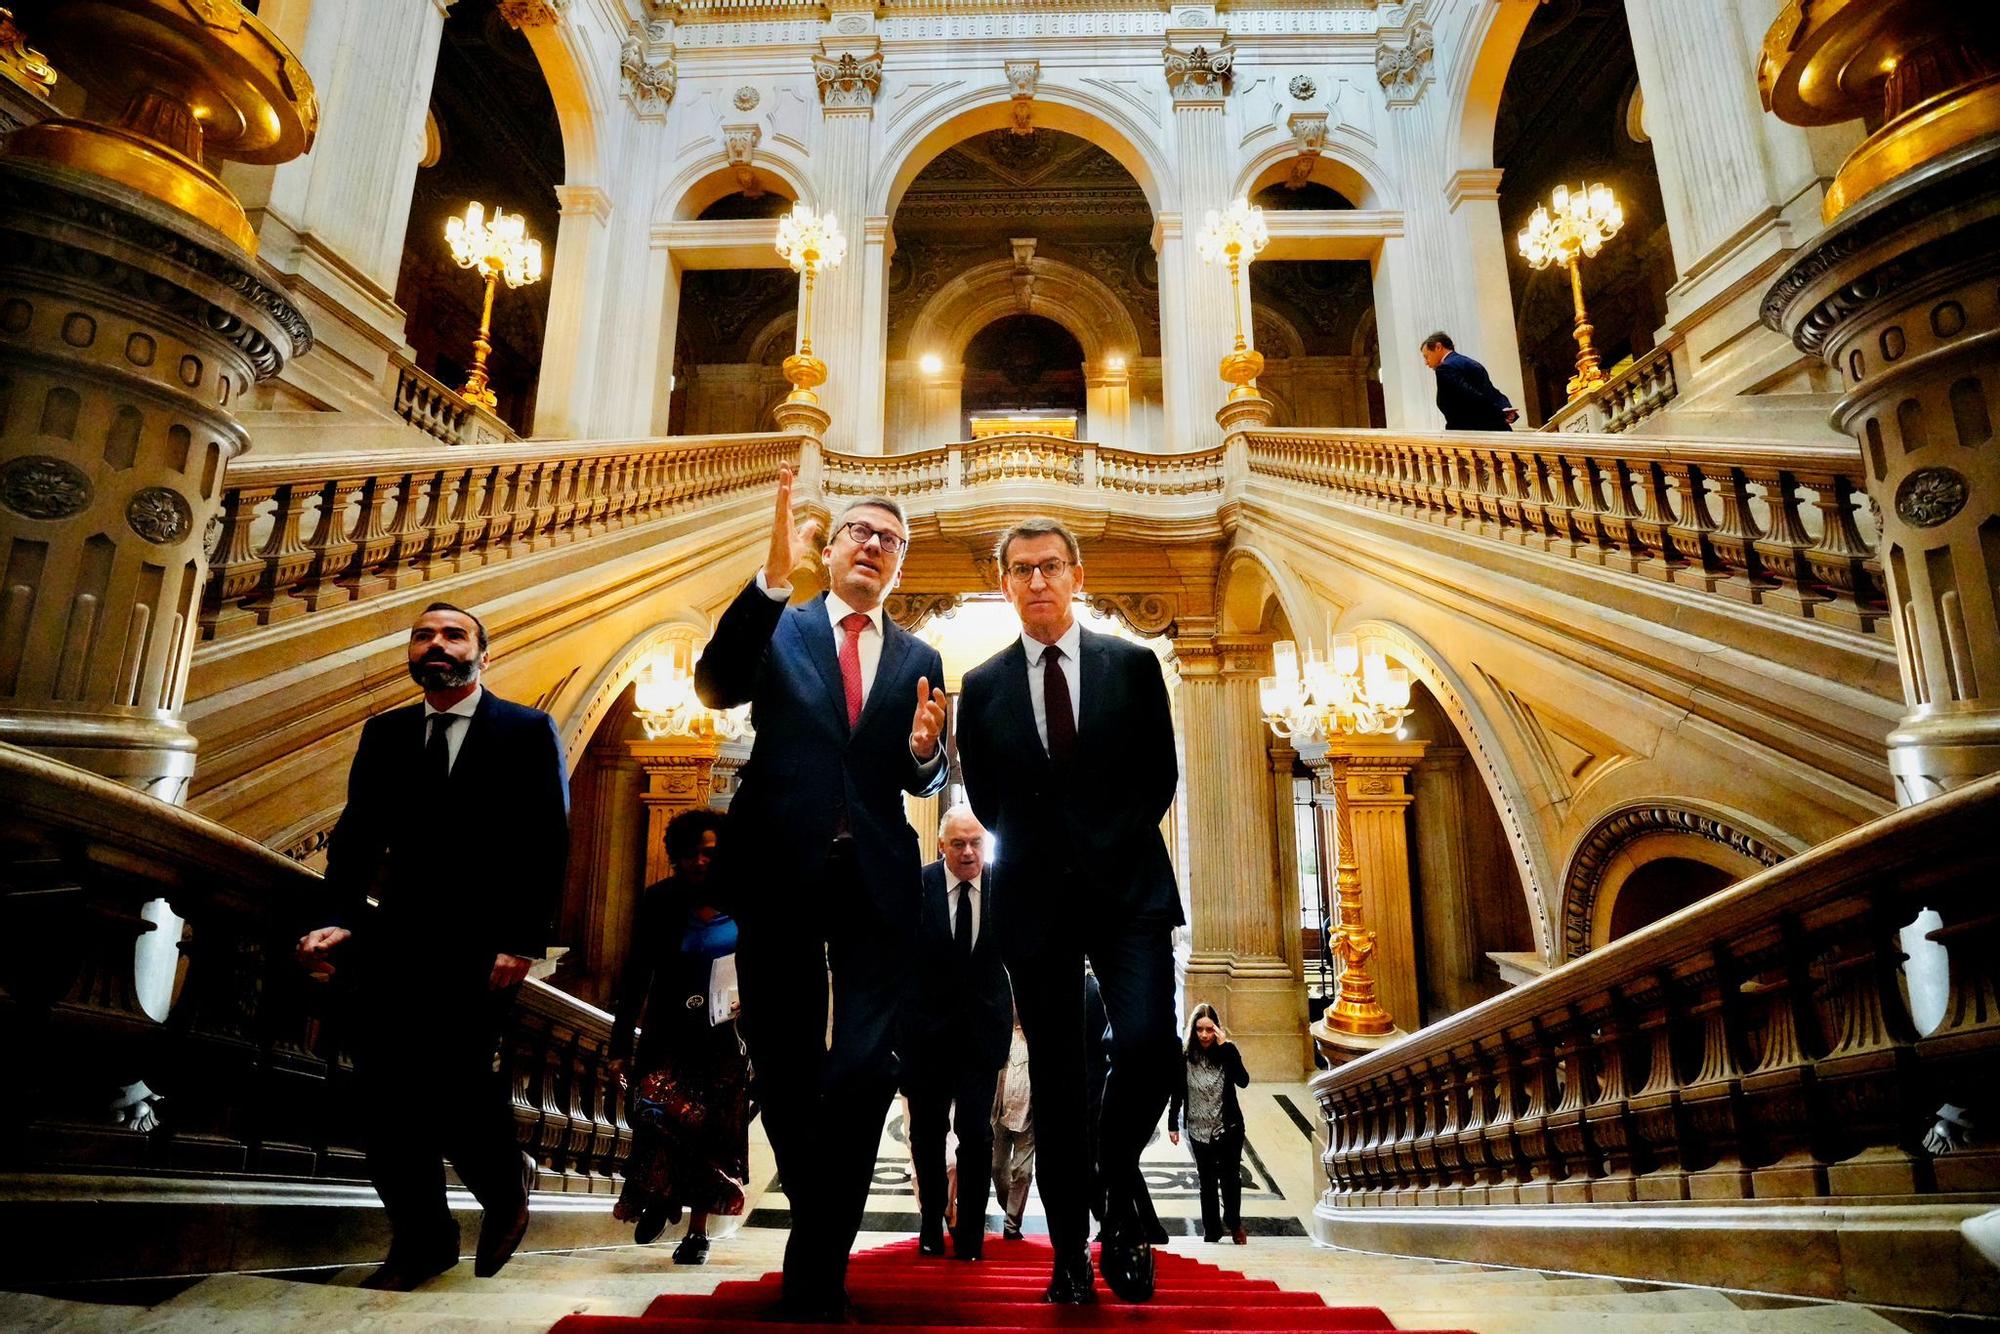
[930, 363]
[1560, 199]
[1285, 660]
[1346, 654]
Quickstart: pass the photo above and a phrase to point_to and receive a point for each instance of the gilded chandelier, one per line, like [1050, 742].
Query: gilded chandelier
[1346, 694]
[498, 248]
[810, 242]
[1574, 225]
[1233, 236]
[664, 702]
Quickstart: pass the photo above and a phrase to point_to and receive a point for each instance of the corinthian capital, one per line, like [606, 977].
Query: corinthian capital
[1200, 75]
[848, 80]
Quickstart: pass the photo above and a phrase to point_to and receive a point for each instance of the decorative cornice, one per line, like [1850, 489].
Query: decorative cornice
[1405, 70]
[1480, 184]
[848, 82]
[1022, 77]
[577, 200]
[534, 13]
[1595, 853]
[1200, 77]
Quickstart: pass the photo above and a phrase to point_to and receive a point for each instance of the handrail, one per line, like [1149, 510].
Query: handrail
[250, 1055]
[1755, 1045]
[1778, 525]
[1027, 458]
[1635, 393]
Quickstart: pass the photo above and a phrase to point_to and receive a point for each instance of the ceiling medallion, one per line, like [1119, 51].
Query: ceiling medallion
[746, 98]
[1303, 88]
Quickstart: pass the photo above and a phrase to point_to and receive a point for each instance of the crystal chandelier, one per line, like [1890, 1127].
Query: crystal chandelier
[1233, 236]
[810, 242]
[665, 704]
[1349, 693]
[499, 247]
[1574, 224]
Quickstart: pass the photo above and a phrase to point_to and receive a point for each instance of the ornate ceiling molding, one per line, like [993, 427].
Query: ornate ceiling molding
[1598, 849]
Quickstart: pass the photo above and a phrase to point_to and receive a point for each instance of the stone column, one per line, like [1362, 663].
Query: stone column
[1445, 867]
[577, 282]
[1239, 963]
[680, 775]
[939, 405]
[1286, 844]
[1377, 794]
[1473, 197]
[128, 337]
[1107, 400]
[1198, 62]
[849, 73]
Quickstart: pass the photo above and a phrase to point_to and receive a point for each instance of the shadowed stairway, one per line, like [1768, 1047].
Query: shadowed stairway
[892, 1287]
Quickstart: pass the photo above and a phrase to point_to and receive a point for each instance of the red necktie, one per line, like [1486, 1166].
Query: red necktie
[850, 663]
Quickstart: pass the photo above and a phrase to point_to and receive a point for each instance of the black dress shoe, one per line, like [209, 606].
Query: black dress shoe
[693, 1250]
[652, 1222]
[1071, 1284]
[500, 1234]
[930, 1238]
[968, 1248]
[398, 1275]
[1128, 1269]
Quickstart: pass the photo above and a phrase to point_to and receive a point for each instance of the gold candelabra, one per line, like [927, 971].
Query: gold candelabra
[499, 247]
[1231, 236]
[1574, 226]
[664, 701]
[810, 242]
[1315, 701]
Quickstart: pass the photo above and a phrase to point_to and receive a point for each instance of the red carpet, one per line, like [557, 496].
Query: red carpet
[893, 1288]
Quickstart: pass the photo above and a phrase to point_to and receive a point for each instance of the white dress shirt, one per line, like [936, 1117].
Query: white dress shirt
[951, 903]
[1070, 644]
[454, 733]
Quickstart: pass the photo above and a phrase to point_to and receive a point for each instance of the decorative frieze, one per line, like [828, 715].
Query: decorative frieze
[1022, 77]
[1405, 69]
[848, 81]
[1309, 132]
[1201, 75]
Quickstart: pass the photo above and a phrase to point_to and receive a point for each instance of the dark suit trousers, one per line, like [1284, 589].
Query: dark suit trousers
[1135, 971]
[1219, 1165]
[429, 1092]
[823, 1105]
[934, 1094]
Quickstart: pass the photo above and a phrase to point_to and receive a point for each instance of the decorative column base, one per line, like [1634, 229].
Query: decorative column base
[1245, 414]
[1338, 1048]
[809, 419]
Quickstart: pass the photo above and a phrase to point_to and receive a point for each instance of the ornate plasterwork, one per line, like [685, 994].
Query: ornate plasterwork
[1594, 855]
[911, 610]
[533, 13]
[739, 143]
[648, 81]
[1142, 613]
[848, 81]
[1201, 75]
[1022, 77]
[1404, 70]
[1309, 132]
[21, 63]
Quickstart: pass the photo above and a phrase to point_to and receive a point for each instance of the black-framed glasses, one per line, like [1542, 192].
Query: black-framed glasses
[891, 542]
[1051, 570]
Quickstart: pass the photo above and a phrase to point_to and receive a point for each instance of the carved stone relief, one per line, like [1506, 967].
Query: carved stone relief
[848, 81]
[1022, 77]
[1201, 75]
[1595, 853]
[1404, 70]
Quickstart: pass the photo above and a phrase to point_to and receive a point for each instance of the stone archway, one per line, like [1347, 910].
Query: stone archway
[1631, 837]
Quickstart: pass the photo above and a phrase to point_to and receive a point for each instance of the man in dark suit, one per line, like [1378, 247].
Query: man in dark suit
[1466, 395]
[1068, 750]
[957, 1029]
[821, 869]
[442, 877]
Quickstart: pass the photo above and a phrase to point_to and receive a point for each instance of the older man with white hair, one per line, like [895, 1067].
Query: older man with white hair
[956, 1031]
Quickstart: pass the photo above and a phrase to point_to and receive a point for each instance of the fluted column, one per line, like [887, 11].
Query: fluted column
[577, 282]
[1473, 198]
[1377, 796]
[849, 306]
[1107, 401]
[1239, 962]
[1196, 324]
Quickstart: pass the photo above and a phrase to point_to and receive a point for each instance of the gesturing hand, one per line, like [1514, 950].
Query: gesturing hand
[928, 725]
[789, 545]
[314, 947]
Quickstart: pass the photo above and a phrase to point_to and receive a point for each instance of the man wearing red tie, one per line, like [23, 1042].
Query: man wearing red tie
[1067, 743]
[821, 868]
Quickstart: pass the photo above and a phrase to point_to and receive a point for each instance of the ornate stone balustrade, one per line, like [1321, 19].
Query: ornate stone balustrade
[249, 1062]
[1626, 399]
[1782, 526]
[431, 406]
[300, 534]
[1026, 459]
[1755, 1048]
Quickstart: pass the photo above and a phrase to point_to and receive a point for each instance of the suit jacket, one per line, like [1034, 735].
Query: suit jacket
[961, 1016]
[809, 777]
[1467, 398]
[462, 874]
[1080, 843]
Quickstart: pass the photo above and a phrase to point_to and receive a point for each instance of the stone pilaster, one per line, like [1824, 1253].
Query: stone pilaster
[1196, 327]
[1239, 963]
[1378, 796]
[1444, 864]
[567, 386]
[129, 337]
[850, 319]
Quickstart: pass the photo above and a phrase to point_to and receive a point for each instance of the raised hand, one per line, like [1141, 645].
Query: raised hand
[928, 724]
[789, 545]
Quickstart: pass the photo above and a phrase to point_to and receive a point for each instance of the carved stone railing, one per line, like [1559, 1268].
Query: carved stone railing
[1788, 527]
[249, 1064]
[1036, 461]
[1757, 1048]
[1635, 393]
[434, 408]
[301, 534]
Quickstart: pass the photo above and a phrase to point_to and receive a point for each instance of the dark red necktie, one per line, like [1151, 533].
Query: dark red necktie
[850, 663]
[1060, 714]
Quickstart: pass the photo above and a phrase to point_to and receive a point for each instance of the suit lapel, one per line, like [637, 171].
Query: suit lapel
[1091, 678]
[815, 635]
[1014, 697]
[895, 648]
[477, 730]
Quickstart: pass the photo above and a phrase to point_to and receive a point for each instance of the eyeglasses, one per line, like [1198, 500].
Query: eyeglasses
[1051, 570]
[861, 532]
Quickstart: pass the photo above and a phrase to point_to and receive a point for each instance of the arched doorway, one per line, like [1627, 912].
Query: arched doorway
[727, 348]
[1022, 366]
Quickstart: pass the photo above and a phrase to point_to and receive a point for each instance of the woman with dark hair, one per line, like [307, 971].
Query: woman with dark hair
[690, 1081]
[1214, 1071]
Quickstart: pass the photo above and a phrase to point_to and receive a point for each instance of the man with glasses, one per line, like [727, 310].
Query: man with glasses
[822, 871]
[1067, 746]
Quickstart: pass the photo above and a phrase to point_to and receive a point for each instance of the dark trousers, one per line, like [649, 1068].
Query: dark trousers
[960, 1100]
[1135, 971]
[1219, 1164]
[424, 1065]
[823, 1104]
